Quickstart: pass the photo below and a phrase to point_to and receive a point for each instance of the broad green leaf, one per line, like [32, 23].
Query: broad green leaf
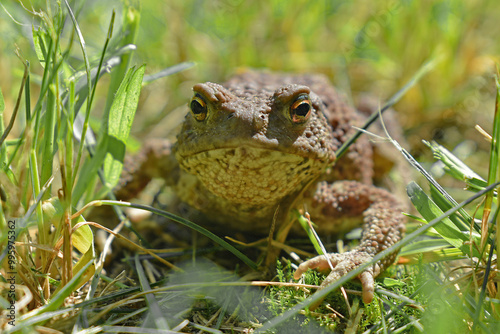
[444, 204]
[121, 116]
[429, 210]
[115, 130]
[82, 239]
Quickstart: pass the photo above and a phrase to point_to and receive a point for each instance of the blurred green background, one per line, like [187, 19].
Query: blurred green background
[363, 46]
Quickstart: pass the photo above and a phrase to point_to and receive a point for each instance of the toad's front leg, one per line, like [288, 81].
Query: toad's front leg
[383, 225]
[155, 160]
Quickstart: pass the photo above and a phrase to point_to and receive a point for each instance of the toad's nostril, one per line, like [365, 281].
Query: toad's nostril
[259, 122]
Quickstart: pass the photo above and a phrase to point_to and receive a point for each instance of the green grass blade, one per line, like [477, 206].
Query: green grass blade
[168, 71]
[86, 175]
[480, 302]
[3, 148]
[421, 246]
[49, 137]
[494, 150]
[431, 250]
[310, 233]
[494, 161]
[7, 130]
[2, 105]
[89, 83]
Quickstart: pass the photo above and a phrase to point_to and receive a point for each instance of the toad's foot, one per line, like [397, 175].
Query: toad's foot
[342, 264]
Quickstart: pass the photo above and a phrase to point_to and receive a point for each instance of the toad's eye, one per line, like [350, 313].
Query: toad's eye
[300, 110]
[199, 108]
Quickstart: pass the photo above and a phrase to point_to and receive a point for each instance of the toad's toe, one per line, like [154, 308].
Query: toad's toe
[343, 264]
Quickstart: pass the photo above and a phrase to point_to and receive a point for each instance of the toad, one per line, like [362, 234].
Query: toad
[262, 144]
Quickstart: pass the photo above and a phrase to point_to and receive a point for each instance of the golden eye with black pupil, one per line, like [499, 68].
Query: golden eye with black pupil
[199, 108]
[300, 109]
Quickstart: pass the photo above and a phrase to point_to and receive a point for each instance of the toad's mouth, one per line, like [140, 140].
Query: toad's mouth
[250, 175]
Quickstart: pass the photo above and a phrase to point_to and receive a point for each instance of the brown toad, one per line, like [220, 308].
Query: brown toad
[263, 141]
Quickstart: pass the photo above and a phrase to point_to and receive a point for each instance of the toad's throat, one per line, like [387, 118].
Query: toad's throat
[251, 175]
